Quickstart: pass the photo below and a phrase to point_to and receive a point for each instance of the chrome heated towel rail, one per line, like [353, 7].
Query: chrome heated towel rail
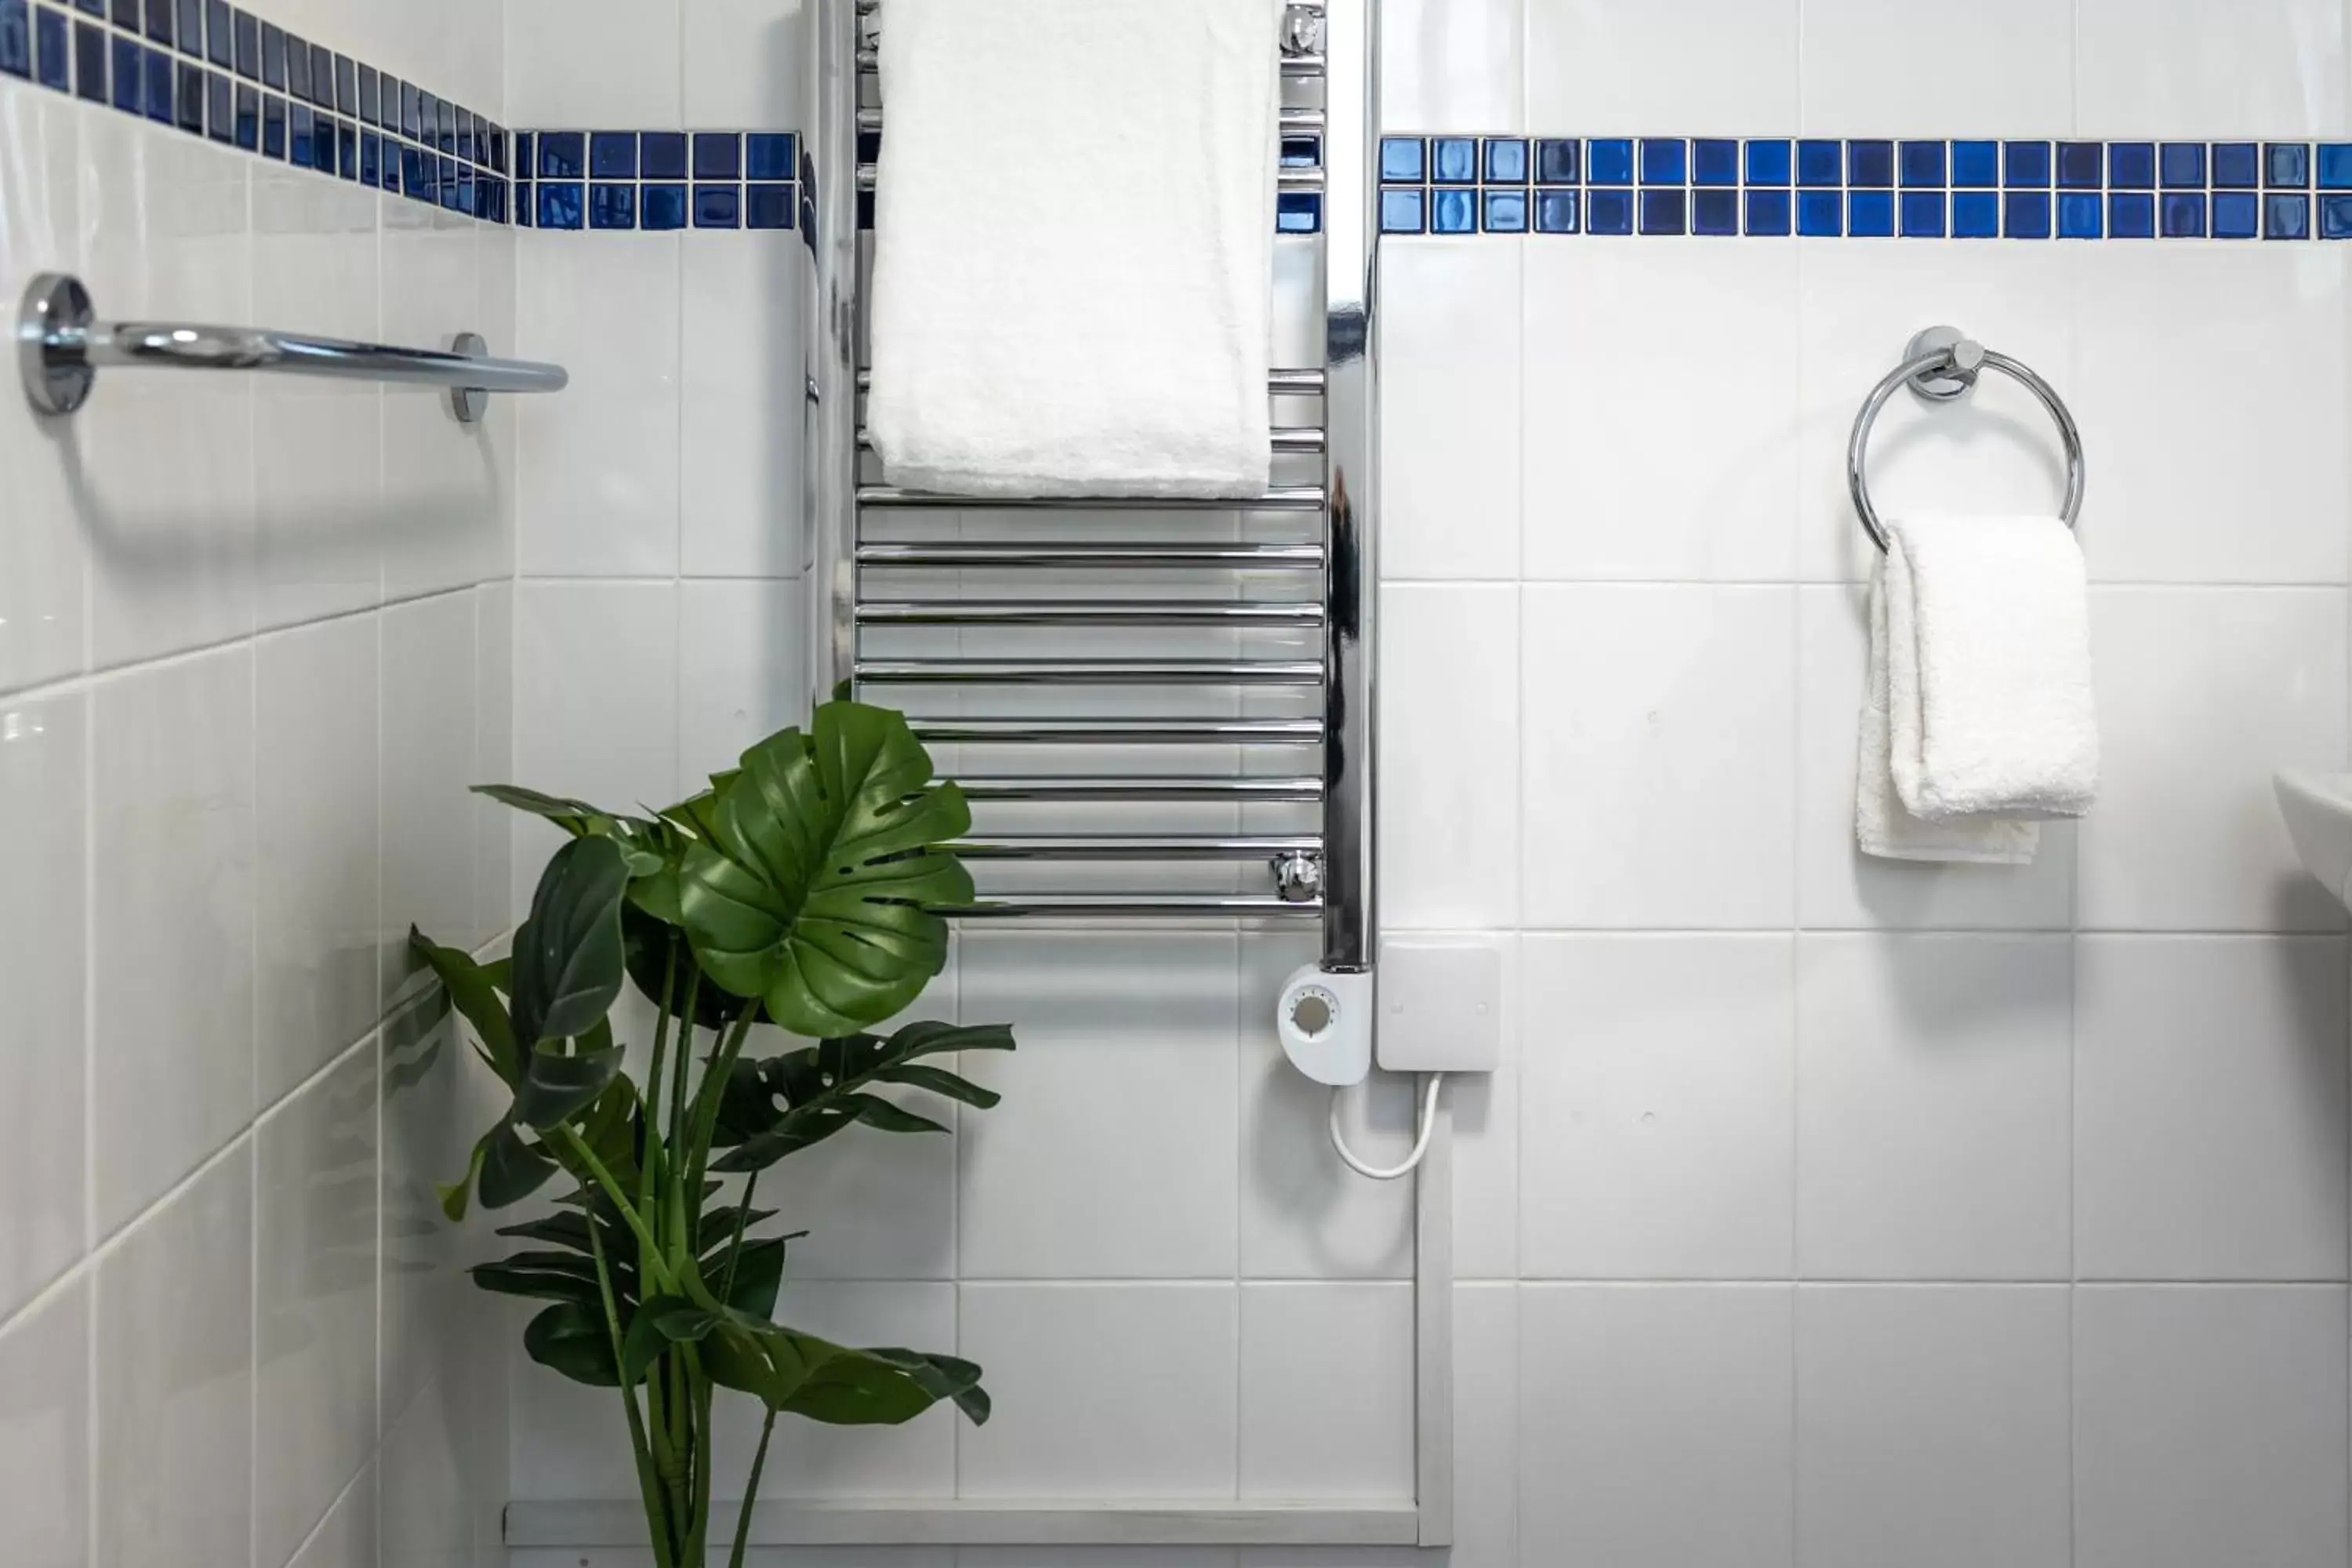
[1213, 666]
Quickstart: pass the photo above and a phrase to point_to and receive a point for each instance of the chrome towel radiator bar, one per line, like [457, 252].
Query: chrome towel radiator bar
[62, 346]
[1223, 649]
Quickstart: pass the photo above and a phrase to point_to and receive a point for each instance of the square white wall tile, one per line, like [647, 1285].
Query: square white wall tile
[597, 485]
[1452, 65]
[494, 755]
[1839, 887]
[1934, 1107]
[2203, 694]
[742, 420]
[347, 1536]
[807, 1460]
[1659, 736]
[2264, 68]
[1644, 459]
[1327, 1391]
[1660, 1106]
[743, 61]
[1996, 452]
[1449, 703]
[1484, 1109]
[43, 900]
[593, 62]
[2209, 1108]
[176, 1387]
[1654, 1427]
[2210, 1425]
[1933, 1427]
[45, 1433]
[2216, 452]
[421, 1485]
[321, 524]
[430, 690]
[1102, 1390]
[1128, 1071]
[317, 712]
[428, 1135]
[1725, 67]
[315, 1339]
[1486, 1393]
[742, 662]
[2003, 68]
[172, 813]
[1450, 386]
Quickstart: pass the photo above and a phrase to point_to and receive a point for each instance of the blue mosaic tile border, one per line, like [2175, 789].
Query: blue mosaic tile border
[1866, 188]
[217, 71]
[601, 180]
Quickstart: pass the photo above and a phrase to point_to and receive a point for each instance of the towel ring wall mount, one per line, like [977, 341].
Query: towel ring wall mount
[1942, 364]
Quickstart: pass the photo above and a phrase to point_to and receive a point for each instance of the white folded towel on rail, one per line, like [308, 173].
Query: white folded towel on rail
[1980, 720]
[1074, 245]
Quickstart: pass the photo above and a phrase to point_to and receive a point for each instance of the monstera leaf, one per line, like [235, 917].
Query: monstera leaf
[780, 1106]
[815, 889]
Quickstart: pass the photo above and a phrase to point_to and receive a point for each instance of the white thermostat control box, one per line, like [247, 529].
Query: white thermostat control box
[1440, 1003]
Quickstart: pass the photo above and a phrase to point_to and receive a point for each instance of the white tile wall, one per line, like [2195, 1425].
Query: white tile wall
[247, 669]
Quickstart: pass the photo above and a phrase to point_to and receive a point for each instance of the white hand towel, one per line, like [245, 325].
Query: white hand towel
[1074, 245]
[1883, 826]
[1988, 669]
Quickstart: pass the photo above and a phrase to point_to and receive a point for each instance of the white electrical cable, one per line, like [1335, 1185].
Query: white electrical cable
[1420, 1143]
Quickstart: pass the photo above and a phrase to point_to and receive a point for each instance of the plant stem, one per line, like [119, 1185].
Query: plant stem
[657, 1517]
[700, 1382]
[657, 1278]
[706, 1112]
[751, 1492]
[735, 1246]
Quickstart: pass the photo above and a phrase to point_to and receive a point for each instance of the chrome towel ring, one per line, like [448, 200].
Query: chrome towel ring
[1941, 365]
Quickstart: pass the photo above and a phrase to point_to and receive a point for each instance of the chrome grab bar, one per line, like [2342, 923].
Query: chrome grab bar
[61, 347]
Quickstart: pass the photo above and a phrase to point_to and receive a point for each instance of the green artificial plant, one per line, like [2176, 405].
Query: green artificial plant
[798, 891]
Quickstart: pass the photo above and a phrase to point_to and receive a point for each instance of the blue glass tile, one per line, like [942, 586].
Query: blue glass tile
[2335, 217]
[2180, 165]
[2286, 217]
[770, 155]
[159, 20]
[1555, 212]
[525, 154]
[370, 157]
[1454, 161]
[665, 206]
[2080, 217]
[347, 85]
[613, 155]
[189, 33]
[1870, 215]
[499, 148]
[1714, 211]
[301, 149]
[768, 206]
[1769, 163]
[2333, 162]
[220, 34]
[1401, 212]
[273, 55]
[611, 206]
[2131, 166]
[1404, 158]
[190, 115]
[1768, 212]
[2131, 215]
[1976, 215]
[1507, 161]
[273, 126]
[1665, 161]
[498, 201]
[469, 136]
[415, 112]
[1609, 212]
[718, 155]
[323, 75]
[562, 154]
[2236, 215]
[370, 96]
[2237, 166]
[1608, 161]
[2082, 166]
[220, 108]
[1923, 164]
[2025, 214]
[247, 30]
[2025, 165]
[347, 149]
[126, 13]
[1298, 212]
[1820, 213]
[248, 113]
[1715, 162]
[1923, 214]
[1976, 164]
[89, 61]
[1664, 212]
[1506, 212]
[298, 68]
[1821, 162]
[1454, 212]
[414, 180]
[444, 134]
[2287, 164]
[526, 203]
[157, 72]
[456, 188]
[1558, 161]
[125, 57]
[559, 206]
[15, 38]
[2183, 216]
[53, 49]
[1870, 164]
